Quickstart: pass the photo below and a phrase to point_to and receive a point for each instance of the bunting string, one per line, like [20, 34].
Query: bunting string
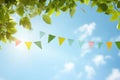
[61, 40]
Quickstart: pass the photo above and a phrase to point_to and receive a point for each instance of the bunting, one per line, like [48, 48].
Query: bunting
[42, 34]
[100, 44]
[91, 44]
[38, 43]
[109, 45]
[70, 41]
[81, 43]
[61, 40]
[0, 47]
[17, 42]
[118, 44]
[50, 38]
[28, 45]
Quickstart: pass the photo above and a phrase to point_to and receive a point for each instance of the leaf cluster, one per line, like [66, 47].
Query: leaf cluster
[28, 9]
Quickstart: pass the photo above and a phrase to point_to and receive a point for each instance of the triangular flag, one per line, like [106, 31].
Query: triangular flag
[0, 47]
[91, 44]
[70, 41]
[42, 34]
[17, 42]
[81, 43]
[61, 40]
[109, 45]
[50, 38]
[83, 10]
[28, 44]
[100, 44]
[118, 44]
[38, 43]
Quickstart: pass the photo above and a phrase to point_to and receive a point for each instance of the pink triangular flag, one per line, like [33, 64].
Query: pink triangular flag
[91, 44]
[17, 42]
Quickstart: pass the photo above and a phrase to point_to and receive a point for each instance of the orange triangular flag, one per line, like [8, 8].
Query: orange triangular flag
[28, 44]
[61, 40]
[17, 42]
[109, 45]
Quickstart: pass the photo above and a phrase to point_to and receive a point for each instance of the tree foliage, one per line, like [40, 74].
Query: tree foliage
[27, 9]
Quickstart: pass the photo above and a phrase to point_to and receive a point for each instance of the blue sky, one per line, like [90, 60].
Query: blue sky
[65, 62]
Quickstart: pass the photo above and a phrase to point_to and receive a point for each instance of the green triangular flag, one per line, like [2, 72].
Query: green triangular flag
[0, 47]
[81, 43]
[38, 43]
[70, 41]
[50, 38]
[100, 44]
[42, 34]
[118, 44]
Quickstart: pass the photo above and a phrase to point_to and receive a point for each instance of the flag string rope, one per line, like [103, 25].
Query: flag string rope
[61, 40]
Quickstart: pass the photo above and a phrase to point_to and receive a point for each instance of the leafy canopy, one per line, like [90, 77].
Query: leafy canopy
[27, 9]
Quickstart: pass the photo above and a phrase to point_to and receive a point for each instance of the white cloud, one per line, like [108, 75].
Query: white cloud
[96, 39]
[115, 75]
[86, 30]
[119, 54]
[68, 67]
[108, 57]
[100, 59]
[115, 38]
[79, 75]
[90, 71]
[118, 38]
[85, 49]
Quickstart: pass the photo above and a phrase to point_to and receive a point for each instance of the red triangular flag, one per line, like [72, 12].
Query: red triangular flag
[91, 44]
[17, 42]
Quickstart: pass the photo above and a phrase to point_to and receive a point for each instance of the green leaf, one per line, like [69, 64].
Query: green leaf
[72, 11]
[108, 12]
[11, 38]
[86, 1]
[103, 6]
[20, 10]
[25, 22]
[64, 8]
[118, 26]
[36, 12]
[3, 38]
[47, 19]
[93, 4]
[12, 30]
[11, 24]
[118, 4]
[51, 11]
[81, 1]
[57, 13]
[11, 11]
[33, 14]
[114, 16]
[2, 1]
[99, 10]
[25, 2]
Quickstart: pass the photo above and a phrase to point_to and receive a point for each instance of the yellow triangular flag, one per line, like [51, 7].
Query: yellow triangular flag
[109, 45]
[61, 40]
[28, 44]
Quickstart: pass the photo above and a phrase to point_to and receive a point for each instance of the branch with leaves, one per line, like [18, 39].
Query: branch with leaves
[28, 9]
